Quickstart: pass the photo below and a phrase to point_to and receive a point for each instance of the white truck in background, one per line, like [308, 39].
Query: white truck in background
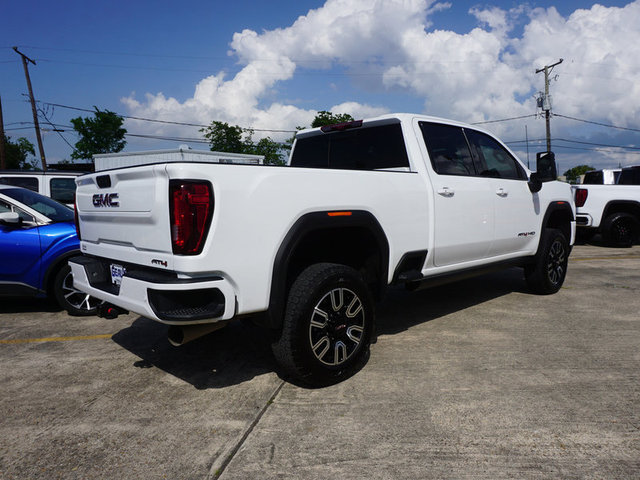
[395, 200]
[605, 176]
[612, 210]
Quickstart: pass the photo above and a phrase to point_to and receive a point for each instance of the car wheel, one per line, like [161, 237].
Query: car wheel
[70, 298]
[619, 230]
[326, 331]
[547, 272]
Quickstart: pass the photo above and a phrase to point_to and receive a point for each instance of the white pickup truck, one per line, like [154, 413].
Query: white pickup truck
[612, 210]
[398, 199]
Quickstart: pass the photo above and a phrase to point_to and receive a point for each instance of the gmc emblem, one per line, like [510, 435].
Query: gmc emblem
[105, 200]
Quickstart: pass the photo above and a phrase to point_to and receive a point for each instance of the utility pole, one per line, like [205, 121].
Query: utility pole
[3, 158]
[33, 107]
[546, 99]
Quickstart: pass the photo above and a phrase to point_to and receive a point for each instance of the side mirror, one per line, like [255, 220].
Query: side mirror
[546, 166]
[9, 218]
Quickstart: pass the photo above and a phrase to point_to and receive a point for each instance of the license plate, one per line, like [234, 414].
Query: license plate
[117, 272]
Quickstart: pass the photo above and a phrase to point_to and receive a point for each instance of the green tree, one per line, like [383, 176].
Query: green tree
[17, 153]
[574, 173]
[223, 137]
[101, 134]
[324, 117]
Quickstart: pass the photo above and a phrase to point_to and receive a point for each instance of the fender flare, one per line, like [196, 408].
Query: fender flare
[554, 207]
[317, 221]
[611, 204]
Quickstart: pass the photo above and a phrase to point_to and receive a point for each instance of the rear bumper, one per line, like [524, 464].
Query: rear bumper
[584, 220]
[158, 295]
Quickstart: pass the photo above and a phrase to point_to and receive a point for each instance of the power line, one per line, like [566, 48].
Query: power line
[597, 123]
[168, 122]
[580, 142]
[505, 119]
[597, 144]
[58, 131]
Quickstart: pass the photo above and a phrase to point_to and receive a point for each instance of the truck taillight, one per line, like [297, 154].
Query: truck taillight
[191, 209]
[75, 218]
[581, 196]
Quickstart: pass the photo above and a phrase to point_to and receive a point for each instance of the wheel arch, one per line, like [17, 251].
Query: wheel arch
[559, 215]
[354, 238]
[54, 268]
[621, 206]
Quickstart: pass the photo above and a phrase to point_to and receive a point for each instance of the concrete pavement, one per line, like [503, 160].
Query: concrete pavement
[478, 379]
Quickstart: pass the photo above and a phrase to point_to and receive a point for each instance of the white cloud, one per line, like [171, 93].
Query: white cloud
[481, 74]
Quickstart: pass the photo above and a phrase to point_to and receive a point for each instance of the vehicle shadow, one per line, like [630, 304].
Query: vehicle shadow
[233, 355]
[402, 309]
[596, 240]
[28, 305]
[241, 351]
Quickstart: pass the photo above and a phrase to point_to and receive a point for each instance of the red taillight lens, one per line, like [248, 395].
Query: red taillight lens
[191, 209]
[581, 196]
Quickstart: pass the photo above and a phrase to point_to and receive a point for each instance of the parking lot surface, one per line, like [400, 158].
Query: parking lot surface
[473, 380]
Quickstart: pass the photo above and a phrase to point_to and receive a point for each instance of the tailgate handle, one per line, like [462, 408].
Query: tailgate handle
[103, 181]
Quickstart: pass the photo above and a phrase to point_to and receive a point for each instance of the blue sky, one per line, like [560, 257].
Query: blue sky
[273, 65]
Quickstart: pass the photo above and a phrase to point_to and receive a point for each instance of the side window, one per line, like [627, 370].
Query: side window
[26, 218]
[25, 182]
[63, 189]
[448, 149]
[495, 161]
[4, 207]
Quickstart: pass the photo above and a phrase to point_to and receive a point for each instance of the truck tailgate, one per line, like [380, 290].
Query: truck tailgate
[125, 214]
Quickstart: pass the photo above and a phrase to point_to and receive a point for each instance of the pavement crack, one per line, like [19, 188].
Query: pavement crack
[218, 467]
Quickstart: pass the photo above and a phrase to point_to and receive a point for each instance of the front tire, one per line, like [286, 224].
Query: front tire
[70, 298]
[549, 269]
[326, 331]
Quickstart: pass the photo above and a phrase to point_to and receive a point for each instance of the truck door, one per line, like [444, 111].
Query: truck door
[517, 210]
[463, 200]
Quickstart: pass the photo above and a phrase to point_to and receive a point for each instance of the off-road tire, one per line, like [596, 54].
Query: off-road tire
[327, 326]
[547, 272]
[71, 299]
[620, 230]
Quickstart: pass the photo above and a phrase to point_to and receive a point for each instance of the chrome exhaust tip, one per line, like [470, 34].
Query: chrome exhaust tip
[179, 335]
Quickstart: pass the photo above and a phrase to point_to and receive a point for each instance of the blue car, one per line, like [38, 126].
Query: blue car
[37, 237]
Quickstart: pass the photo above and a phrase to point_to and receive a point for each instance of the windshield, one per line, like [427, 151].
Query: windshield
[41, 204]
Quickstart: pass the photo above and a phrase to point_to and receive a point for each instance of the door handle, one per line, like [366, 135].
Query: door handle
[446, 192]
[501, 192]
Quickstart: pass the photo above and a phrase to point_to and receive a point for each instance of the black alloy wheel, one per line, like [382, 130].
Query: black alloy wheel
[327, 326]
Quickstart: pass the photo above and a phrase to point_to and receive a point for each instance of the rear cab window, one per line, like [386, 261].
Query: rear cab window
[379, 147]
[593, 178]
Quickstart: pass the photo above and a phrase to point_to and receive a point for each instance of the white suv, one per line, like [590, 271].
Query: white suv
[60, 186]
